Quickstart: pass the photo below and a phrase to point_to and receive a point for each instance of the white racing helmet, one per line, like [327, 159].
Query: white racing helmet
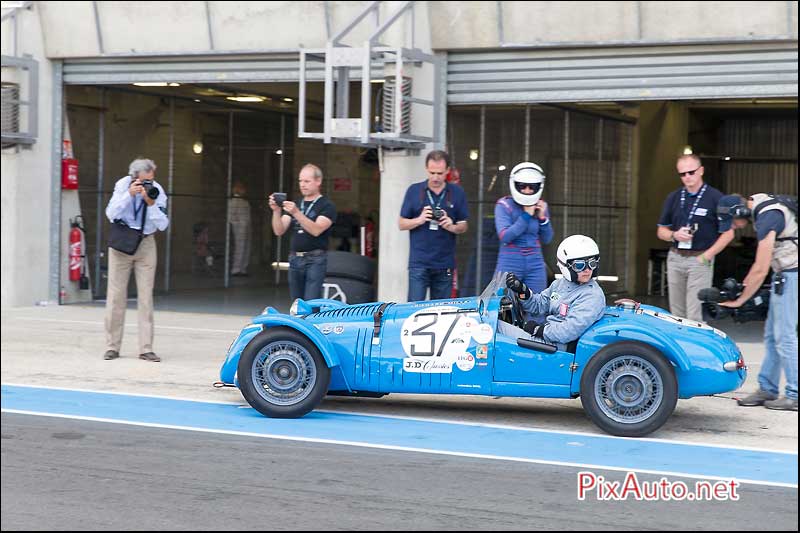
[526, 173]
[575, 253]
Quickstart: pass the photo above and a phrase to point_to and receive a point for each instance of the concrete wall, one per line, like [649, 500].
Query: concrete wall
[26, 189]
[131, 28]
[663, 133]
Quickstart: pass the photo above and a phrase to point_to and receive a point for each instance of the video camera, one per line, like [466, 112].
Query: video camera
[753, 309]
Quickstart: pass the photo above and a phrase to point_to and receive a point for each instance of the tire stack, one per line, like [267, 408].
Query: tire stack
[350, 277]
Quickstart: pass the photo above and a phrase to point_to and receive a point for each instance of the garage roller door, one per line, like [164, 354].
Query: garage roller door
[623, 73]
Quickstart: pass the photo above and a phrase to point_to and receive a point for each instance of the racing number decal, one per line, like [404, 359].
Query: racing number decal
[421, 331]
[435, 338]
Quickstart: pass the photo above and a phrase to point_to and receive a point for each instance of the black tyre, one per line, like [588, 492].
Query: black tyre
[629, 389]
[351, 266]
[355, 292]
[282, 374]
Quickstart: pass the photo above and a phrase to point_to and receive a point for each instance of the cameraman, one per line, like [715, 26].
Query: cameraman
[776, 228]
[140, 203]
[689, 222]
[434, 212]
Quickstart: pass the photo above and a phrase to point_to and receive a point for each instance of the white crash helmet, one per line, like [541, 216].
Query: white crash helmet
[529, 173]
[572, 251]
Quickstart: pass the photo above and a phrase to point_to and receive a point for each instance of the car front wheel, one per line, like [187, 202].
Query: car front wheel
[629, 389]
[282, 374]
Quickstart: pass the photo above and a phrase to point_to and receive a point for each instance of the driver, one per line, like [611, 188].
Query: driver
[566, 309]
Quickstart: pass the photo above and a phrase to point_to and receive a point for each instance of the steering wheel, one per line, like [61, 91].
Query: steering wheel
[517, 311]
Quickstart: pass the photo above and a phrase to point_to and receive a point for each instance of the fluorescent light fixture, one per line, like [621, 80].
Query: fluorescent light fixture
[197, 100]
[501, 168]
[278, 152]
[687, 150]
[288, 99]
[156, 84]
[473, 154]
[727, 158]
[378, 81]
[197, 148]
[246, 98]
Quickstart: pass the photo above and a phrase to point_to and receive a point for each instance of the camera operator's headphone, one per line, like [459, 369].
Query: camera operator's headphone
[735, 211]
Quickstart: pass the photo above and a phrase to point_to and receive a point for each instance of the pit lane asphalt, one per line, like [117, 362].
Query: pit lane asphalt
[65, 474]
[63, 346]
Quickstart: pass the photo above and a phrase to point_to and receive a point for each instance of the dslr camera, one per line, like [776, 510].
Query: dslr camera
[438, 213]
[753, 309]
[279, 198]
[150, 188]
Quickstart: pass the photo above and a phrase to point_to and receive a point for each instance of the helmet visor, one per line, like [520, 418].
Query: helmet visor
[579, 265]
[527, 188]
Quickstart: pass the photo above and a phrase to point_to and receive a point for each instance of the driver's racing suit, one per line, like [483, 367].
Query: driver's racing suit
[566, 309]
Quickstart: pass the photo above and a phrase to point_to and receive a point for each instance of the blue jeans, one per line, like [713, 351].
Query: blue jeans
[439, 280]
[780, 339]
[306, 275]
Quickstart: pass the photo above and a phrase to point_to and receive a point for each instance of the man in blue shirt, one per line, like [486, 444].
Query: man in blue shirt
[689, 222]
[434, 212]
[776, 228]
[140, 203]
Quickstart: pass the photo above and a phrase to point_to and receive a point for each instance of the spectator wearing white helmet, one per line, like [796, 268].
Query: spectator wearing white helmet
[565, 310]
[523, 226]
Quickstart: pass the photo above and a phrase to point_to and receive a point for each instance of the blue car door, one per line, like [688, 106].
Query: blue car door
[513, 363]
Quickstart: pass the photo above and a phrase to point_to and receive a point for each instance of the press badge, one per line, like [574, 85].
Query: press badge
[433, 225]
[685, 245]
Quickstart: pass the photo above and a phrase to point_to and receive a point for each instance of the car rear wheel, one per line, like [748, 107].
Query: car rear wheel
[282, 374]
[629, 389]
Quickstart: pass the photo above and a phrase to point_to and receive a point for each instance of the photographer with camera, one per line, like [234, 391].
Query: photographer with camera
[689, 221]
[523, 226]
[434, 212]
[310, 222]
[137, 209]
[775, 223]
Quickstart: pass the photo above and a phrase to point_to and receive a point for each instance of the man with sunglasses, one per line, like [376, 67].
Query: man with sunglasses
[689, 222]
[523, 226]
[564, 311]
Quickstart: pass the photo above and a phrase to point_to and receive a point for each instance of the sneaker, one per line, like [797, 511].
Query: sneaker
[757, 398]
[150, 356]
[782, 404]
[110, 354]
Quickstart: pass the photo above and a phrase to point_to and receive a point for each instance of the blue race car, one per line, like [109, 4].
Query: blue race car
[629, 368]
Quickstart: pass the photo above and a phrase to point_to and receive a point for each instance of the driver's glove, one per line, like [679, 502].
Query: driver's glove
[535, 330]
[517, 285]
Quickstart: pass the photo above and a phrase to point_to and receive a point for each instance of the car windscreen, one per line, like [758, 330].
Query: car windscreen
[491, 290]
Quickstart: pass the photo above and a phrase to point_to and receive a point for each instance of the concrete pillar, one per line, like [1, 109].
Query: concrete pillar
[400, 170]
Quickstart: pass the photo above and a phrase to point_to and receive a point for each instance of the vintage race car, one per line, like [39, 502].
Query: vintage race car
[629, 368]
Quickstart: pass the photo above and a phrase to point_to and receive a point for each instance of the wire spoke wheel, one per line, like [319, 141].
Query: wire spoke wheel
[284, 373]
[628, 389]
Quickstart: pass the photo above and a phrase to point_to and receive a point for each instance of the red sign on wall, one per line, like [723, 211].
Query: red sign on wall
[342, 184]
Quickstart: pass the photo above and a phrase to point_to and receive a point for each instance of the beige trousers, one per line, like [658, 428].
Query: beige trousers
[686, 276]
[143, 263]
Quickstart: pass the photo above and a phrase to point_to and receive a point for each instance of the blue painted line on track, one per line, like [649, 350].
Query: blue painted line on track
[447, 437]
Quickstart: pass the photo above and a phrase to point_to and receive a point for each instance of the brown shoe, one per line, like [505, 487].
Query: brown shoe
[150, 356]
[110, 354]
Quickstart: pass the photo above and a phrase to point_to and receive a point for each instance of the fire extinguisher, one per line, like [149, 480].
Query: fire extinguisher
[453, 176]
[369, 238]
[76, 255]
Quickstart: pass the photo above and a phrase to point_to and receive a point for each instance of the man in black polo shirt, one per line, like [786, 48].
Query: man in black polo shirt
[310, 222]
[689, 221]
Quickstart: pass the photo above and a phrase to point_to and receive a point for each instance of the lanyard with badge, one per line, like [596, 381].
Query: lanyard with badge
[136, 211]
[688, 244]
[306, 211]
[434, 222]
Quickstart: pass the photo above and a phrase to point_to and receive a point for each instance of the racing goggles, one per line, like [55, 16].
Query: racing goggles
[579, 265]
[521, 186]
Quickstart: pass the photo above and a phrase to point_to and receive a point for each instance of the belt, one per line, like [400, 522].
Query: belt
[687, 253]
[788, 270]
[309, 253]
